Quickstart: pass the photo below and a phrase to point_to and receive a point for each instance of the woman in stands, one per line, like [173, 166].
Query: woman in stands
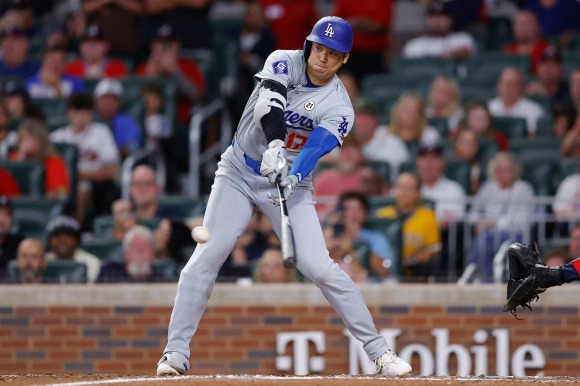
[409, 122]
[34, 145]
[478, 119]
[444, 101]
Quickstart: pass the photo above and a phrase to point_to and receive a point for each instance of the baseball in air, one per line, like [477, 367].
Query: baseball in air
[200, 234]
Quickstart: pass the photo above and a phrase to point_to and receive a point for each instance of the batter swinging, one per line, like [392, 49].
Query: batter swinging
[297, 113]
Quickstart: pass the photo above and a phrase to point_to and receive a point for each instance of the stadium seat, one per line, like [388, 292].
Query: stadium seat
[32, 214]
[408, 166]
[363, 252]
[489, 65]
[381, 86]
[190, 207]
[441, 124]
[542, 174]
[379, 202]
[51, 106]
[132, 86]
[168, 267]
[57, 271]
[537, 148]
[569, 166]
[570, 61]
[460, 172]
[512, 127]
[28, 174]
[544, 101]
[70, 154]
[104, 249]
[103, 225]
[383, 168]
[413, 147]
[544, 126]
[422, 67]
[474, 89]
[498, 32]
[393, 228]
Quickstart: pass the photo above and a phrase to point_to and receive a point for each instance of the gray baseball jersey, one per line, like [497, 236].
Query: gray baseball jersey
[238, 186]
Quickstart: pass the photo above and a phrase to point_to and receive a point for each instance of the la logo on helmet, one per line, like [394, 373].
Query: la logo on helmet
[329, 30]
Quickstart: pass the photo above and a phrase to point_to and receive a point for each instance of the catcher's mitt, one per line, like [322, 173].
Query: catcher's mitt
[529, 276]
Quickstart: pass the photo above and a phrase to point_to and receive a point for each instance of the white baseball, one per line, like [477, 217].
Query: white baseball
[200, 234]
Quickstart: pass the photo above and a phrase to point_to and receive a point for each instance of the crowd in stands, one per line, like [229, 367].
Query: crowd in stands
[461, 128]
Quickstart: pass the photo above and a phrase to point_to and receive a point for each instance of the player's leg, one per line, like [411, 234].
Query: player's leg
[228, 213]
[315, 263]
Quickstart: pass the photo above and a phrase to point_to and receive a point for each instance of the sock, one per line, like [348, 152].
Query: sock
[571, 271]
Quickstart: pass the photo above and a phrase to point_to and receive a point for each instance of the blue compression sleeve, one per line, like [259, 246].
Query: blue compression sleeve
[319, 143]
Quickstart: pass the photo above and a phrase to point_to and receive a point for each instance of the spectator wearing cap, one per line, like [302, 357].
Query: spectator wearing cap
[34, 145]
[51, 81]
[164, 61]
[20, 13]
[527, 39]
[108, 102]
[64, 242]
[15, 48]
[95, 61]
[19, 105]
[31, 262]
[378, 144]
[439, 39]
[548, 80]
[137, 263]
[8, 241]
[511, 102]
[98, 156]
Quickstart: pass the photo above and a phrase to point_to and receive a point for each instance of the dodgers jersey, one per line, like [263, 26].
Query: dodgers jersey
[306, 108]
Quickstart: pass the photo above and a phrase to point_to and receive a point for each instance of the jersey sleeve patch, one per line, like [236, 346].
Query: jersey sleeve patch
[280, 67]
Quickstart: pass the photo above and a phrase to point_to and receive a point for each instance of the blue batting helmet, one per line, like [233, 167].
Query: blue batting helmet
[332, 32]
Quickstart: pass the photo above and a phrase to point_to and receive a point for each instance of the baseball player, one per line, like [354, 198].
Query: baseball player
[529, 276]
[297, 113]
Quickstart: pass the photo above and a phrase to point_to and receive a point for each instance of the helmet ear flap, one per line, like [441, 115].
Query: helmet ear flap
[307, 47]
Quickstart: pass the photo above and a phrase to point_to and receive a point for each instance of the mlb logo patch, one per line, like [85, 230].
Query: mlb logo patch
[280, 67]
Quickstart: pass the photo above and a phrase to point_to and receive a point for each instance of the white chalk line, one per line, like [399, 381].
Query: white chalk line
[307, 378]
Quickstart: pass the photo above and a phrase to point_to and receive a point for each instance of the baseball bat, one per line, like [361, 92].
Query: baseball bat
[286, 236]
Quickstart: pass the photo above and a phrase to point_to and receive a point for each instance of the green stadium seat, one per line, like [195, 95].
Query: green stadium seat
[498, 32]
[70, 154]
[423, 67]
[381, 86]
[379, 202]
[393, 228]
[28, 174]
[51, 106]
[191, 207]
[104, 249]
[408, 166]
[460, 172]
[383, 168]
[168, 267]
[489, 65]
[554, 243]
[32, 214]
[542, 174]
[512, 127]
[132, 86]
[544, 101]
[57, 271]
[544, 126]
[487, 149]
[103, 225]
[537, 148]
[569, 166]
[56, 122]
[413, 147]
[475, 89]
[441, 124]
[570, 61]
[363, 252]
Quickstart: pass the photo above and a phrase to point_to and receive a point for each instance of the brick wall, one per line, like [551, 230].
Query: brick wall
[121, 329]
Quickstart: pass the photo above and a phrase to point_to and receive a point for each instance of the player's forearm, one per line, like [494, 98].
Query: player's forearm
[320, 142]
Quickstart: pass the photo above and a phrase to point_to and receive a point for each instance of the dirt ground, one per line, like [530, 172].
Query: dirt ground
[227, 380]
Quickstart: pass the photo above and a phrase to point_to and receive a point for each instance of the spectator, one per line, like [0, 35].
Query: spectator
[548, 82]
[269, 268]
[122, 222]
[108, 100]
[566, 204]
[137, 263]
[439, 39]
[421, 238]
[34, 145]
[9, 187]
[15, 48]
[371, 22]
[466, 148]
[502, 210]
[372, 183]
[21, 13]
[51, 81]
[408, 120]
[56, 35]
[479, 121]
[574, 245]
[31, 262]
[118, 21]
[351, 85]
[342, 250]
[354, 211]
[378, 144]
[8, 138]
[173, 241]
[157, 127]
[297, 16]
[444, 101]
[527, 37]
[144, 192]
[343, 176]
[98, 157]
[557, 257]
[95, 61]
[19, 105]
[555, 17]
[567, 122]
[164, 61]
[511, 102]
[64, 243]
[448, 196]
[9, 241]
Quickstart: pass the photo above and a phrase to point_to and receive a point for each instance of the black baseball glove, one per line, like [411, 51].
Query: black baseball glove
[529, 276]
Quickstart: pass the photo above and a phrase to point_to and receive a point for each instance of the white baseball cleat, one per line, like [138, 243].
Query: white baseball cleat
[390, 365]
[172, 363]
